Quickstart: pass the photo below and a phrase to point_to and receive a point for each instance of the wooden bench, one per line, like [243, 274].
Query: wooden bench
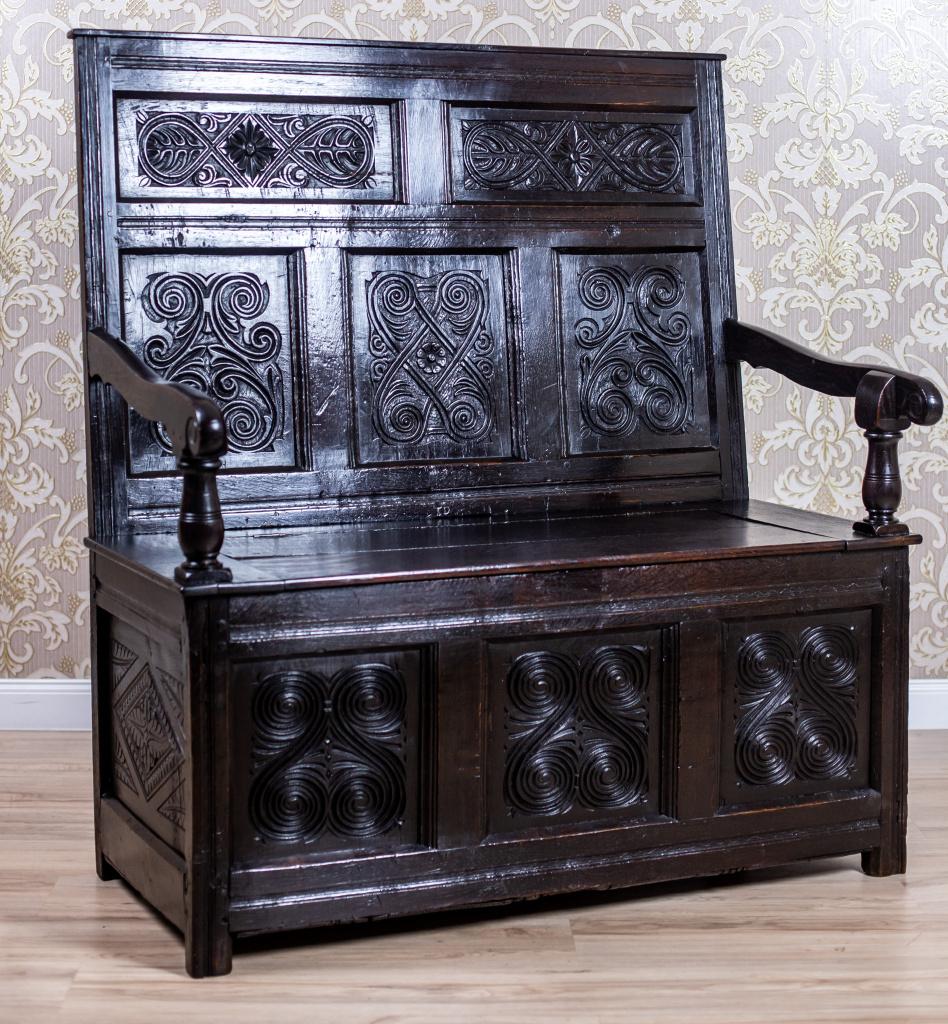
[443, 338]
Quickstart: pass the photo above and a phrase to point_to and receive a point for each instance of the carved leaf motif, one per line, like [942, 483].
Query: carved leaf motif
[577, 730]
[571, 155]
[796, 706]
[234, 149]
[432, 356]
[207, 344]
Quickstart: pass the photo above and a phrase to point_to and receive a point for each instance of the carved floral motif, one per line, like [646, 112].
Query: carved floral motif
[433, 356]
[213, 149]
[572, 155]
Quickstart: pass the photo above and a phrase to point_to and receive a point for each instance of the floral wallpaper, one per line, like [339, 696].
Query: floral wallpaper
[838, 143]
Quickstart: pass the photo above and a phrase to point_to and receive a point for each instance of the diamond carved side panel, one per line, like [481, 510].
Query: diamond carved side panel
[147, 730]
[430, 349]
[223, 325]
[234, 149]
[633, 352]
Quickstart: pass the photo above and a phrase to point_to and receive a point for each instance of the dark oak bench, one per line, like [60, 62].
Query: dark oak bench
[425, 357]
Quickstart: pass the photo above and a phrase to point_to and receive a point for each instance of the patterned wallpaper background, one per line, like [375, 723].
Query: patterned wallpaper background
[838, 142]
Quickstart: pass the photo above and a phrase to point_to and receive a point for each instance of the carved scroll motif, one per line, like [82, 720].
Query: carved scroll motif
[578, 731]
[636, 351]
[208, 345]
[796, 706]
[571, 155]
[237, 149]
[432, 352]
[328, 754]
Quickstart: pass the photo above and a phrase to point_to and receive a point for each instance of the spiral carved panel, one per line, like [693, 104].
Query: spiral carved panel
[632, 335]
[220, 324]
[799, 705]
[568, 155]
[220, 149]
[576, 732]
[431, 362]
[332, 758]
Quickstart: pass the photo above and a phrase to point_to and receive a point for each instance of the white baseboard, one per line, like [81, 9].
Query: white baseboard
[45, 704]
[64, 704]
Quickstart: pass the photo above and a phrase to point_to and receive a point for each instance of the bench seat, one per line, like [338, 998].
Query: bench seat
[324, 556]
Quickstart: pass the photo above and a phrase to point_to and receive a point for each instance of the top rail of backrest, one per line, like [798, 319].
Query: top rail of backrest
[420, 279]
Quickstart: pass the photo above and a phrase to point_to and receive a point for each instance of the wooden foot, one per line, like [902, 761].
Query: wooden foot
[208, 951]
[104, 869]
[881, 861]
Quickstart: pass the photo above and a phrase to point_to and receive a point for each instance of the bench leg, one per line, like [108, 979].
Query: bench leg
[881, 861]
[207, 945]
[103, 868]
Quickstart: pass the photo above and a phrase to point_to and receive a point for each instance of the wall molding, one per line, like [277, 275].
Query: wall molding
[63, 704]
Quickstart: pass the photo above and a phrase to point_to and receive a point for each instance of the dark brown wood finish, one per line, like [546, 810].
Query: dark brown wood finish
[431, 351]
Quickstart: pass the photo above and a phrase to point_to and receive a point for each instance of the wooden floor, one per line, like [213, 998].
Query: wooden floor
[813, 943]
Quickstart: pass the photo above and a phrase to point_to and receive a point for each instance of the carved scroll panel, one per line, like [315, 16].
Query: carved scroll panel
[633, 352]
[147, 729]
[221, 150]
[574, 727]
[328, 754]
[799, 692]
[223, 325]
[550, 155]
[430, 348]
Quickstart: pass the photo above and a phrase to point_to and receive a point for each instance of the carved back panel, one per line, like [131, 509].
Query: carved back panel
[413, 284]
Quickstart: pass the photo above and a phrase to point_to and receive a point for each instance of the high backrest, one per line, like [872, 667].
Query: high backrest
[419, 280]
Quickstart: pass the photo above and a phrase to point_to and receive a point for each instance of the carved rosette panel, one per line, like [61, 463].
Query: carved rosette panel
[568, 155]
[220, 325]
[632, 337]
[799, 698]
[214, 149]
[430, 354]
[574, 739]
[331, 756]
[147, 731]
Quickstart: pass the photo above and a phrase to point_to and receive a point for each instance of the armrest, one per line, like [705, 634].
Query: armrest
[196, 428]
[887, 401]
[915, 399]
[192, 421]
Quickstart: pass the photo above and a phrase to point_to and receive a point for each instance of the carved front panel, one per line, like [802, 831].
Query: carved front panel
[574, 729]
[634, 363]
[223, 325]
[147, 729]
[798, 705]
[569, 155]
[232, 149]
[431, 356]
[328, 754]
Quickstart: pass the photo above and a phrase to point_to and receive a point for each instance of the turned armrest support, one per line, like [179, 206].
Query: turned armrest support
[887, 401]
[195, 426]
